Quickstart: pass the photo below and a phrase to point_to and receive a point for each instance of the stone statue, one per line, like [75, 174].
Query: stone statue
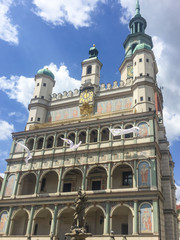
[78, 229]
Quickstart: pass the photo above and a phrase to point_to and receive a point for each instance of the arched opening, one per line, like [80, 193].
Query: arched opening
[30, 144]
[50, 141]
[129, 135]
[19, 222]
[97, 179]
[117, 137]
[122, 177]
[27, 184]
[65, 222]
[72, 181]
[82, 137]
[49, 182]
[89, 69]
[60, 142]
[40, 143]
[105, 134]
[71, 137]
[93, 136]
[42, 223]
[95, 221]
[122, 221]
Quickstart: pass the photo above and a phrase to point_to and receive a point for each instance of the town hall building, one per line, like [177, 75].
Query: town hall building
[128, 179]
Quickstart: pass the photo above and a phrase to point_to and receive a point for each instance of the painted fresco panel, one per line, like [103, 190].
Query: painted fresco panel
[143, 174]
[63, 114]
[3, 221]
[113, 105]
[146, 218]
[10, 185]
[144, 129]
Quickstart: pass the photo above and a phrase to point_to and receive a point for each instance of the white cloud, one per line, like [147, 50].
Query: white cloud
[5, 129]
[163, 22]
[8, 31]
[21, 88]
[58, 12]
[2, 175]
[177, 194]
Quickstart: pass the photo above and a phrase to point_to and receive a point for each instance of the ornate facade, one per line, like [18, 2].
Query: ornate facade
[128, 179]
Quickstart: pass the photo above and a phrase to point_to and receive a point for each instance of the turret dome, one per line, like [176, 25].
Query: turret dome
[45, 71]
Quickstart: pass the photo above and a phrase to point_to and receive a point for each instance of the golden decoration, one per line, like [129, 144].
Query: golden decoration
[86, 109]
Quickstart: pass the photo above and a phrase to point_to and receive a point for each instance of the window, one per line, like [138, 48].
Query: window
[35, 96]
[147, 60]
[149, 99]
[129, 135]
[150, 109]
[42, 97]
[43, 184]
[96, 185]
[37, 84]
[135, 101]
[135, 64]
[127, 178]
[36, 229]
[67, 187]
[31, 119]
[141, 98]
[140, 74]
[44, 84]
[140, 60]
[124, 228]
[148, 74]
[89, 69]
[38, 119]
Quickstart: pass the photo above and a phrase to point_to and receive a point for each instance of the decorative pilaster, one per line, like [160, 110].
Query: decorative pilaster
[87, 138]
[12, 148]
[54, 220]
[110, 136]
[155, 216]
[9, 221]
[135, 174]
[16, 184]
[107, 219]
[153, 173]
[151, 130]
[3, 186]
[98, 135]
[29, 227]
[135, 219]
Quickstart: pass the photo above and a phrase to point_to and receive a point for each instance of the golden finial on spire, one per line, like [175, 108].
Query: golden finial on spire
[93, 45]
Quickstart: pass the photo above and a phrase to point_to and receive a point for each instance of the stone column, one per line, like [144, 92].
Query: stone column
[98, 135]
[135, 174]
[135, 220]
[109, 177]
[37, 182]
[84, 178]
[54, 220]
[107, 219]
[110, 136]
[76, 137]
[12, 148]
[87, 138]
[29, 226]
[9, 221]
[60, 180]
[155, 216]
[3, 186]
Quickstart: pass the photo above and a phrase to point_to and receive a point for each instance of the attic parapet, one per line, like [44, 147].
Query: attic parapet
[65, 94]
[115, 85]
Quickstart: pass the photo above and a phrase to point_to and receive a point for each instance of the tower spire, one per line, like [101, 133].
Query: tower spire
[137, 7]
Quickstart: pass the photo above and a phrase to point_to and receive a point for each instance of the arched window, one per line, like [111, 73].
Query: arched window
[89, 69]
[49, 182]
[97, 179]
[129, 135]
[19, 225]
[42, 223]
[82, 137]
[50, 141]
[30, 144]
[40, 143]
[27, 184]
[93, 135]
[60, 142]
[10, 185]
[71, 137]
[105, 134]
[72, 181]
[122, 177]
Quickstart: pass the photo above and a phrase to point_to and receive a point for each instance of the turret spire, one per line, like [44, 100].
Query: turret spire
[137, 8]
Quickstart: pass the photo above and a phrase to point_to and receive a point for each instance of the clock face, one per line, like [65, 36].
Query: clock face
[86, 96]
[130, 71]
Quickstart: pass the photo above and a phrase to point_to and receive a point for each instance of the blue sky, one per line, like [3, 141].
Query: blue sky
[59, 33]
